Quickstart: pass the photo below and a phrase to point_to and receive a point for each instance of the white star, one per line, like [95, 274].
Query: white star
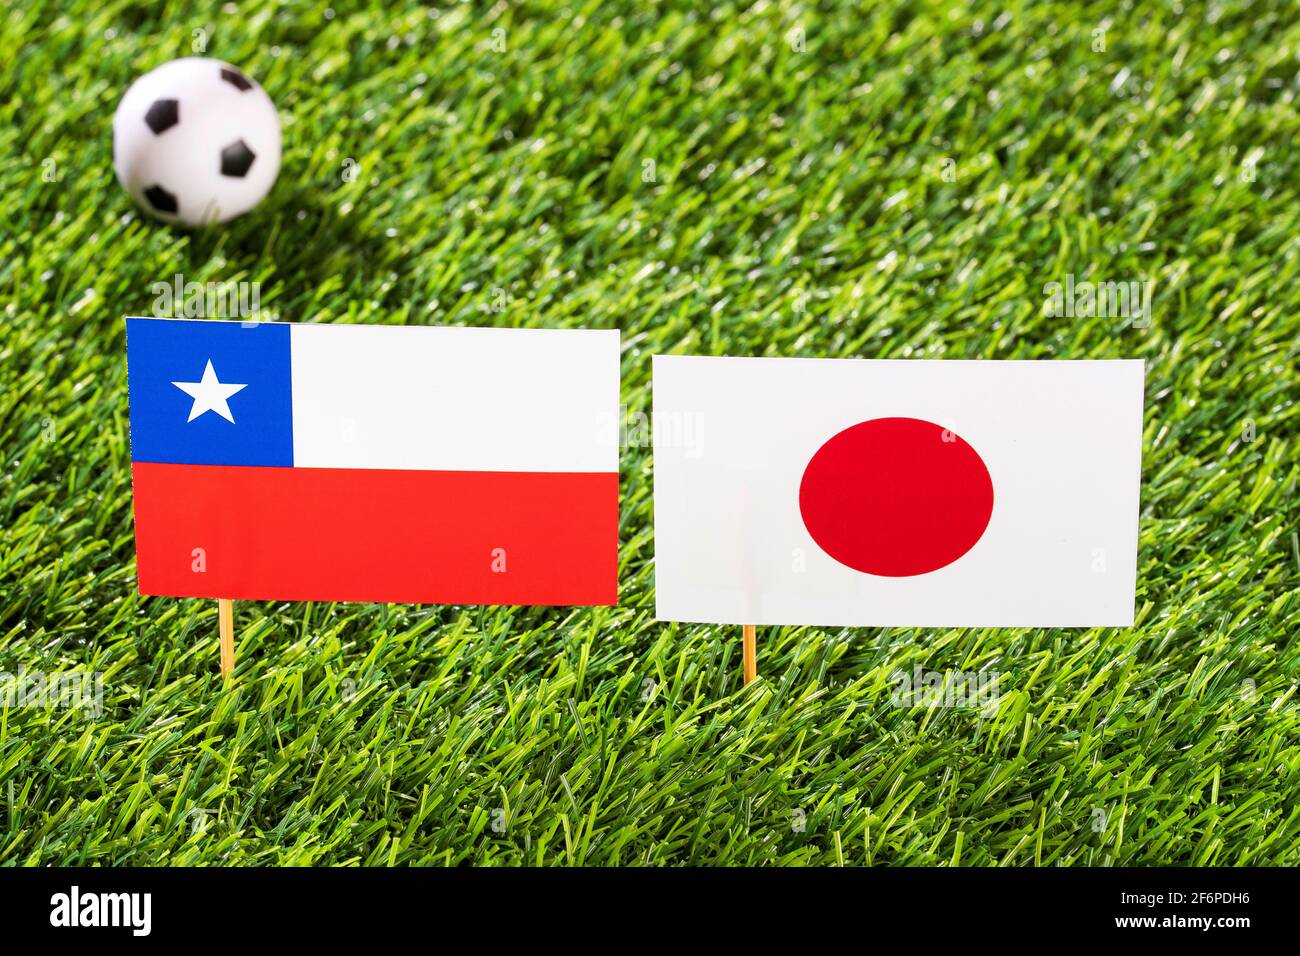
[210, 395]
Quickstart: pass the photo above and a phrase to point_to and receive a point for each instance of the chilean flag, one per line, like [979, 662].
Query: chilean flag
[304, 462]
[908, 493]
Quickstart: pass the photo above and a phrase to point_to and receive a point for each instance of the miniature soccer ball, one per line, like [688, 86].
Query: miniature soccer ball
[196, 142]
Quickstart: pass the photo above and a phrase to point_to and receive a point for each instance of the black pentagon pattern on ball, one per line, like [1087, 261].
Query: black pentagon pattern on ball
[236, 79]
[163, 115]
[161, 199]
[236, 159]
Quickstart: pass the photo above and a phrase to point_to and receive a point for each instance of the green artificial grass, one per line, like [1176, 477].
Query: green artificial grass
[818, 179]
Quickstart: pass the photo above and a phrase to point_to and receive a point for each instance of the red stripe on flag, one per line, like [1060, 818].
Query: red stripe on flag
[335, 534]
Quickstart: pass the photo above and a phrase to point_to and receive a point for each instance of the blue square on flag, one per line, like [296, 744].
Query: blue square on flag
[210, 393]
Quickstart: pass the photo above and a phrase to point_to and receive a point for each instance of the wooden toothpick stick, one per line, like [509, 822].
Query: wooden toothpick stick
[750, 653]
[226, 625]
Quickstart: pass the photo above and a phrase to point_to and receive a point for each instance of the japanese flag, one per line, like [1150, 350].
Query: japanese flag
[897, 493]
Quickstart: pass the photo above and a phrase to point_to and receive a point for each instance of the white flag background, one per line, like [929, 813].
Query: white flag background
[742, 523]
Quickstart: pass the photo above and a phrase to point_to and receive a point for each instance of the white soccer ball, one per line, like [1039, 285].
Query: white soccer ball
[196, 141]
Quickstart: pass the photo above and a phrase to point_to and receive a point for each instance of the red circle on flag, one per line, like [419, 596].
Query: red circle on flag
[896, 497]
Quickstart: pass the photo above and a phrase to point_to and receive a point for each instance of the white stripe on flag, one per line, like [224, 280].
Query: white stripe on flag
[455, 399]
